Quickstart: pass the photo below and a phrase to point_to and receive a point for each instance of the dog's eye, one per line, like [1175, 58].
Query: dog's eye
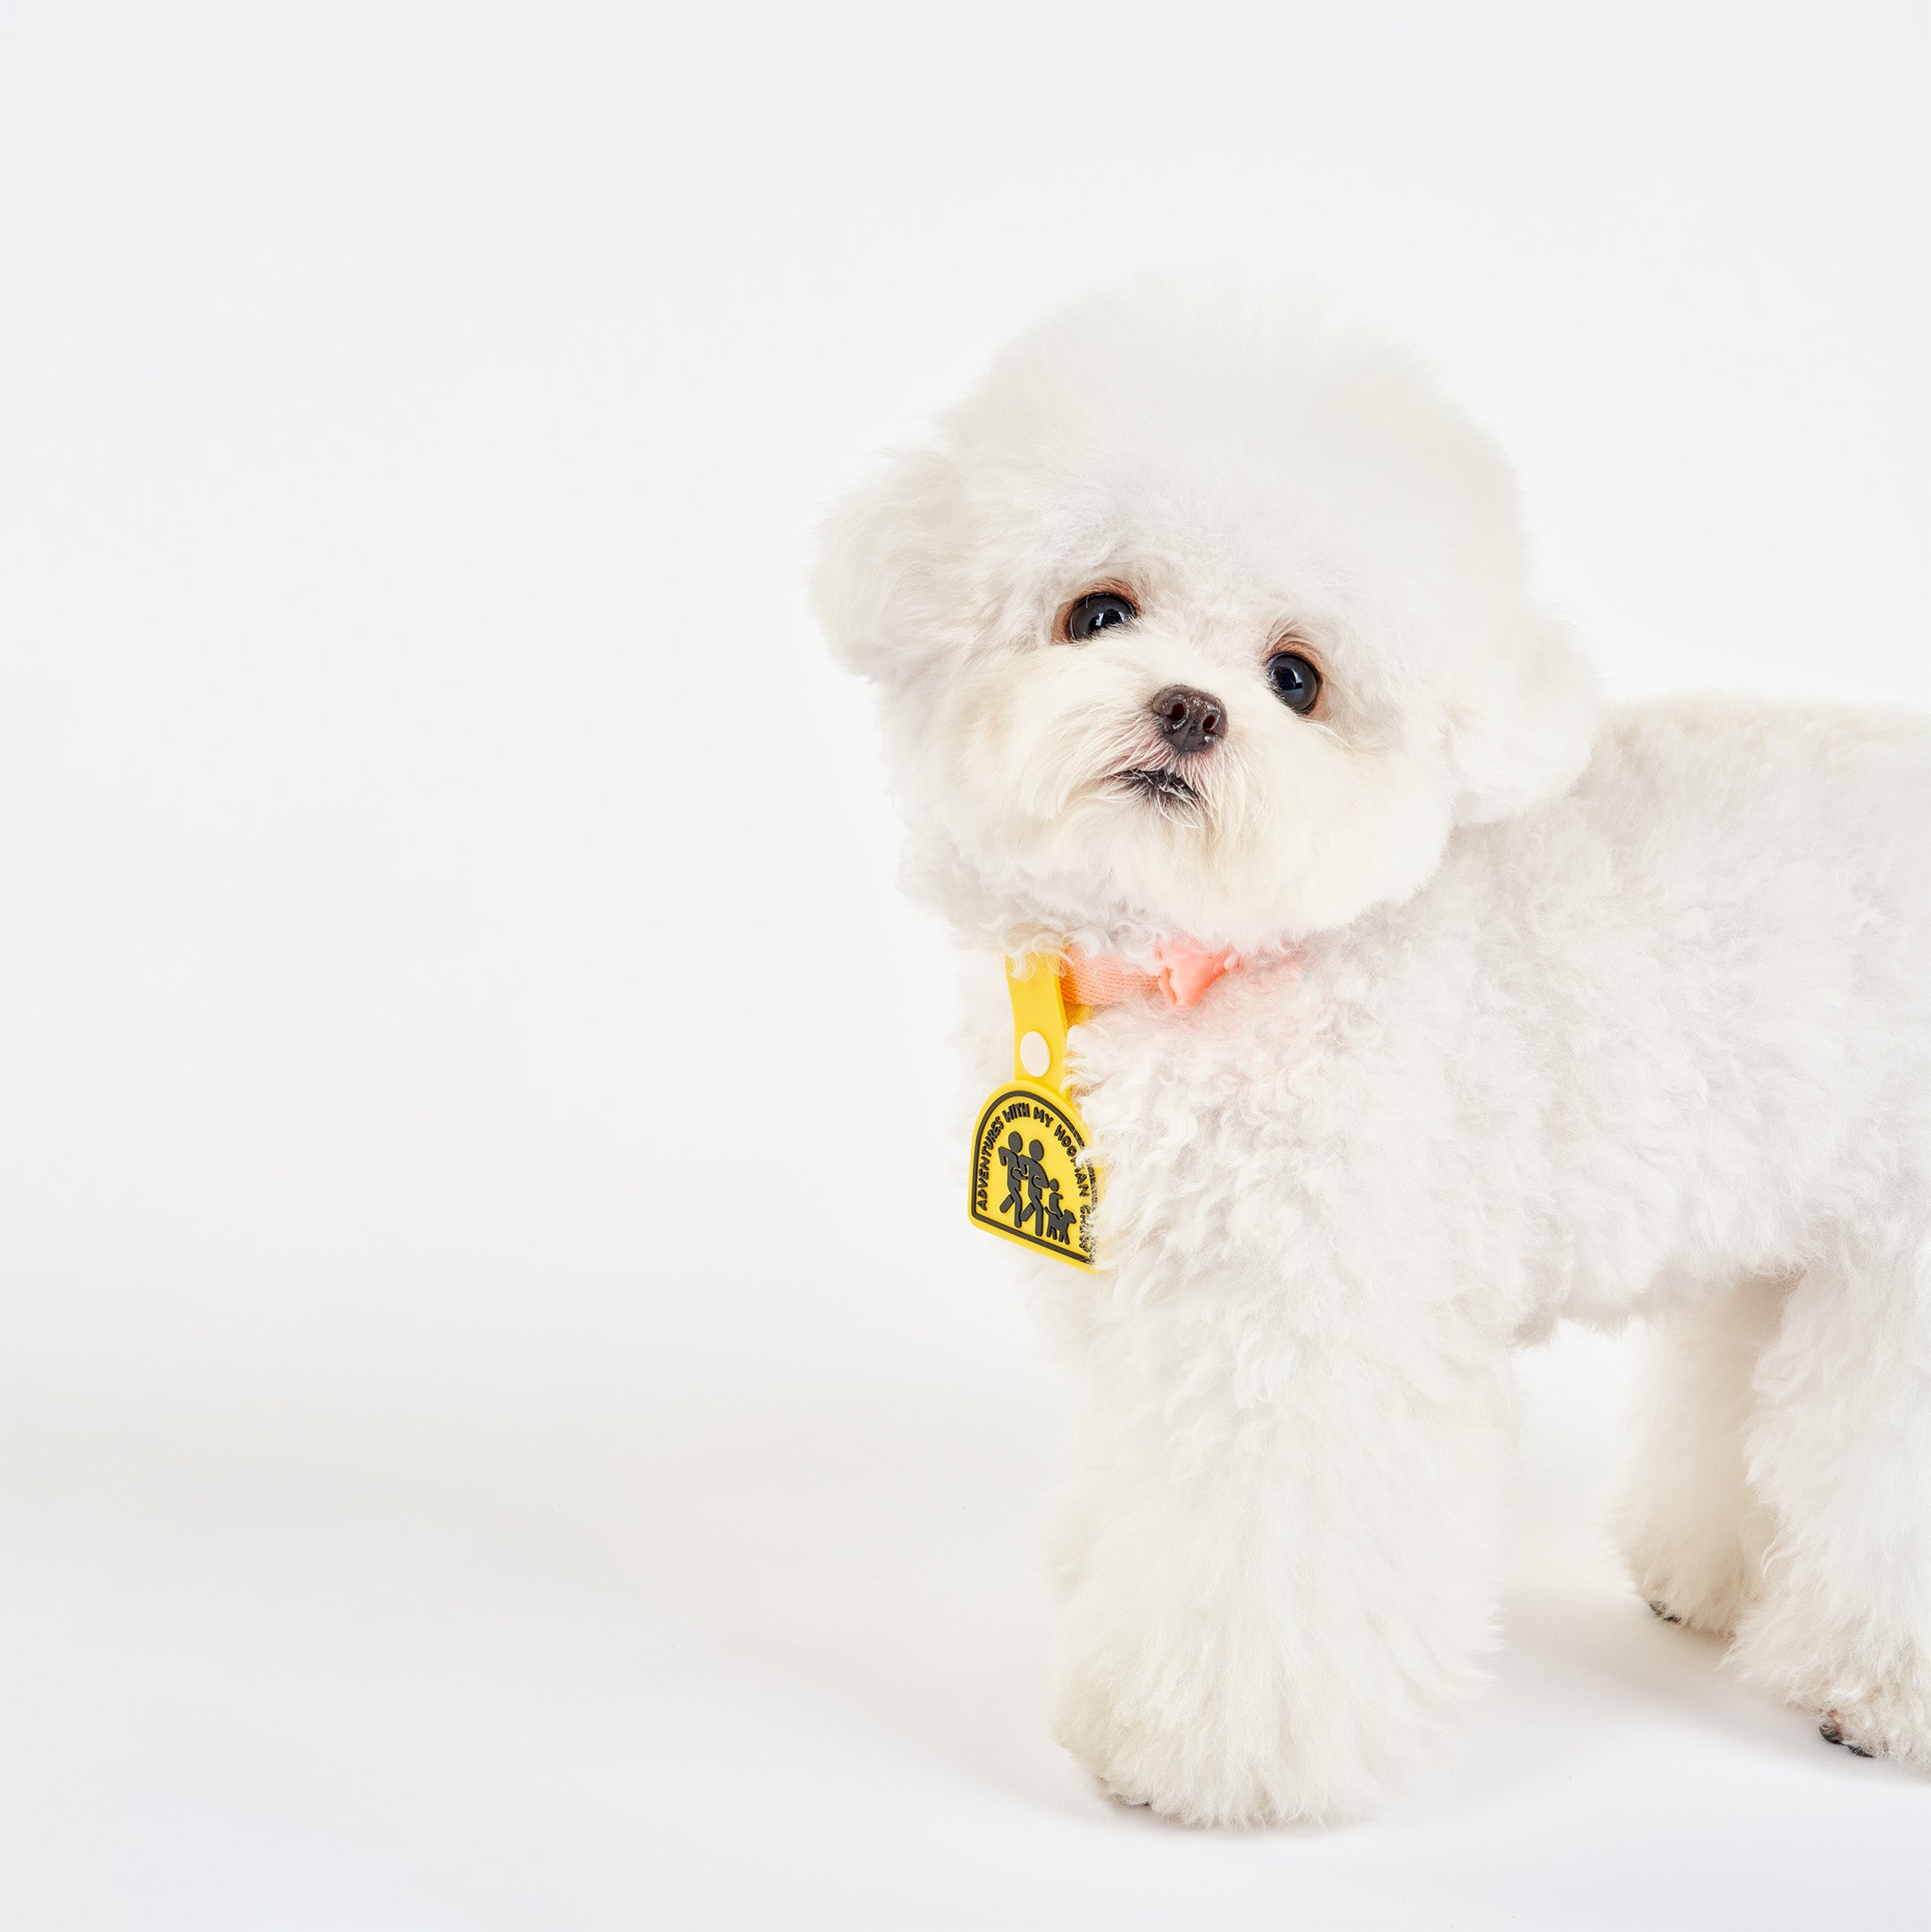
[1296, 682]
[1100, 611]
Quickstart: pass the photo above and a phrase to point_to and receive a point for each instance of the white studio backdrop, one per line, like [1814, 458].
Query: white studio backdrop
[497, 1437]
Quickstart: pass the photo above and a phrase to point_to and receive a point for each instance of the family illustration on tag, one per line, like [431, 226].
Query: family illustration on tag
[1036, 1191]
[1032, 1195]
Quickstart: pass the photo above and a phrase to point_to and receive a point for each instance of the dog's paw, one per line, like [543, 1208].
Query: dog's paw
[1699, 1596]
[1831, 1731]
[1897, 1728]
[1876, 1703]
[1193, 1786]
[1228, 1753]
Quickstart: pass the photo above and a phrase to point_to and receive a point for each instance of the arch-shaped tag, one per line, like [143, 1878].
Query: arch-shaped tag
[1028, 1182]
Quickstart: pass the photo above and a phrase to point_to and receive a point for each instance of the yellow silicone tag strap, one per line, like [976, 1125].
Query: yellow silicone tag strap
[1039, 1007]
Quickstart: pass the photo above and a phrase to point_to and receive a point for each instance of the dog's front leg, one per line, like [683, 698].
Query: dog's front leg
[1279, 1547]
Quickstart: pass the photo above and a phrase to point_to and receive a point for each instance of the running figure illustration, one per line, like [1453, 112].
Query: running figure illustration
[1026, 1181]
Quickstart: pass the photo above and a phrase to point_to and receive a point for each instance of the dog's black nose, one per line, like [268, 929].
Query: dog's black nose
[1189, 720]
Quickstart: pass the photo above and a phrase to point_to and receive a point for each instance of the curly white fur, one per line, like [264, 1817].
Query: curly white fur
[1596, 1017]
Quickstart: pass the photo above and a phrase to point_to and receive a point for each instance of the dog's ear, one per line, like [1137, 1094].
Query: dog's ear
[878, 587]
[1523, 732]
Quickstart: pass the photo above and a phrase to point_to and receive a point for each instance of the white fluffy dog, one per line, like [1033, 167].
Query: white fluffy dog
[1206, 622]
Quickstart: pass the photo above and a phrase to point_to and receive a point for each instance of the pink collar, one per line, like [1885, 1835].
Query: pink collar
[1183, 973]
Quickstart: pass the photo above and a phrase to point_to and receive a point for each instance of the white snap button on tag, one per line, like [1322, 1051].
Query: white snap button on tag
[1034, 1055]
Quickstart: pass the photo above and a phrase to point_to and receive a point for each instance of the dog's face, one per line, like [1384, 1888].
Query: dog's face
[1206, 615]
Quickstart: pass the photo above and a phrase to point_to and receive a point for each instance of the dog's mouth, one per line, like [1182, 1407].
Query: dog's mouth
[1164, 787]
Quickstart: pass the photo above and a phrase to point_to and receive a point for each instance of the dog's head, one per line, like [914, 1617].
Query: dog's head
[1206, 614]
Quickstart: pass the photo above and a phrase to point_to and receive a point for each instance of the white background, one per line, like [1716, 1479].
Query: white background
[508, 1426]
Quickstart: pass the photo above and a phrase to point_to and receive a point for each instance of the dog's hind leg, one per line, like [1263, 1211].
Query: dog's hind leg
[1691, 1530]
[1840, 1449]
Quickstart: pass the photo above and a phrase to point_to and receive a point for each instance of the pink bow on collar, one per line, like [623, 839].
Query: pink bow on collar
[1181, 972]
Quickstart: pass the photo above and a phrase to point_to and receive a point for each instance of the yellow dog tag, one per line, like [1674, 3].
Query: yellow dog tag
[1028, 1182]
